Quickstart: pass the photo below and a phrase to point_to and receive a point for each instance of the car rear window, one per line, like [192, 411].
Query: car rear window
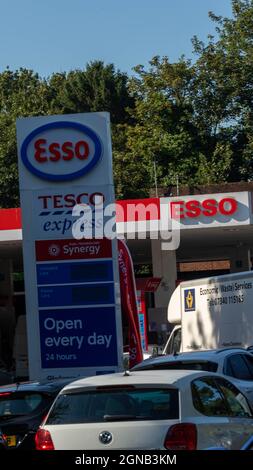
[181, 365]
[115, 405]
[23, 403]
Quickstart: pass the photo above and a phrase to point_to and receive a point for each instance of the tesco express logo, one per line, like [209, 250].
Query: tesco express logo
[61, 151]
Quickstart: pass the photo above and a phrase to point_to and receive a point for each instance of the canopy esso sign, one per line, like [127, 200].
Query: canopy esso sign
[210, 207]
[61, 151]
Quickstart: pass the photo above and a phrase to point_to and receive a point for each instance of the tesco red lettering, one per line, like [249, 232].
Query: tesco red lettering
[207, 208]
[55, 151]
[57, 202]
[60, 201]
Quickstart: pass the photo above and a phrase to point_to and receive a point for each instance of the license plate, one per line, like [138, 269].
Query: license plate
[11, 441]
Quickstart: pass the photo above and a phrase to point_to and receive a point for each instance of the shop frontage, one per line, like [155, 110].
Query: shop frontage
[214, 236]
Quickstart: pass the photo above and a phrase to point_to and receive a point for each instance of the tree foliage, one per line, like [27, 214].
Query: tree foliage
[193, 122]
[223, 88]
[190, 122]
[97, 88]
[23, 93]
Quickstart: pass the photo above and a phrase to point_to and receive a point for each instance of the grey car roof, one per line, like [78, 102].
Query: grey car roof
[208, 355]
[53, 386]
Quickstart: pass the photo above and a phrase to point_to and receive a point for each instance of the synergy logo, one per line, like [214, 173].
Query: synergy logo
[54, 250]
[189, 300]
[61, 151]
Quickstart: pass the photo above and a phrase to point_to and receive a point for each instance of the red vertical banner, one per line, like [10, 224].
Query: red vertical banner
[129, 303]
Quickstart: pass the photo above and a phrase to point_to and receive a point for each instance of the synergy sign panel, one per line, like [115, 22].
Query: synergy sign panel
[72, 285]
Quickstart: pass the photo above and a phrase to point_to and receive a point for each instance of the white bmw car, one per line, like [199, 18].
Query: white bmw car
[177, 410]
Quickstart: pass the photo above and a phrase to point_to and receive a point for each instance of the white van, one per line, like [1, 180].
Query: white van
[212, 313]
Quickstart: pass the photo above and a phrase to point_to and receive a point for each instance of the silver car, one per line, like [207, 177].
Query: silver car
[176, 410]
[235, 363]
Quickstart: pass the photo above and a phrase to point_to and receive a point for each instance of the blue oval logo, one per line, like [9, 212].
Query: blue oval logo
[59, 155]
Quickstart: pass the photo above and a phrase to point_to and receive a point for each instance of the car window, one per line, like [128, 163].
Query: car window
[207, 398]
[115, 405]
[249, 361]
[182, 365]
[175, 342]
[236, 402]
[237, 367]
[21, 403]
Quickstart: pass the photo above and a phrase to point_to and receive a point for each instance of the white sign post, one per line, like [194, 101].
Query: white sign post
[72, 286]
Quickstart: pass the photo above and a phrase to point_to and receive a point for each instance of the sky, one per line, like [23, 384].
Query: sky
[61, 35]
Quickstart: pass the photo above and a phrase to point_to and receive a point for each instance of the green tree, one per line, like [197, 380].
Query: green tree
[97, 88]
[22, 93]
[191, 122]
[222, 91]
[194, 121]
[164, 139]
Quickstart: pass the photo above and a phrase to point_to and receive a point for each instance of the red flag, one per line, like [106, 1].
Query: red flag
[129, 303]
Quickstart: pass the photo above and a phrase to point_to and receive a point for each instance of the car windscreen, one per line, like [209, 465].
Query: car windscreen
[133, 404]
[22, 403]
[180, 365]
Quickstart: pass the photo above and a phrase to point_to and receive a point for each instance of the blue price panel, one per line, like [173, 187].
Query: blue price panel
[141, 323]
[142, 332]
[80, 294]
[78, 338]
[64, 273]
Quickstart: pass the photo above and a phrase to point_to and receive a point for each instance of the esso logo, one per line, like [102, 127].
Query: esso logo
[61, 151]
[207, 208]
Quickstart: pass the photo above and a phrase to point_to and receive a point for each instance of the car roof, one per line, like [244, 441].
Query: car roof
[207, 355]
[168, 377]
[35, 386]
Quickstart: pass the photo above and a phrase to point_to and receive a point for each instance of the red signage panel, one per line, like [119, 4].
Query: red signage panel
[148, 284]
[53, 250]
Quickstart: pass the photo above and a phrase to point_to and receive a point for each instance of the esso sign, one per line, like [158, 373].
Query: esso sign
[206, 208]
[56, 151]
[61, 151]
